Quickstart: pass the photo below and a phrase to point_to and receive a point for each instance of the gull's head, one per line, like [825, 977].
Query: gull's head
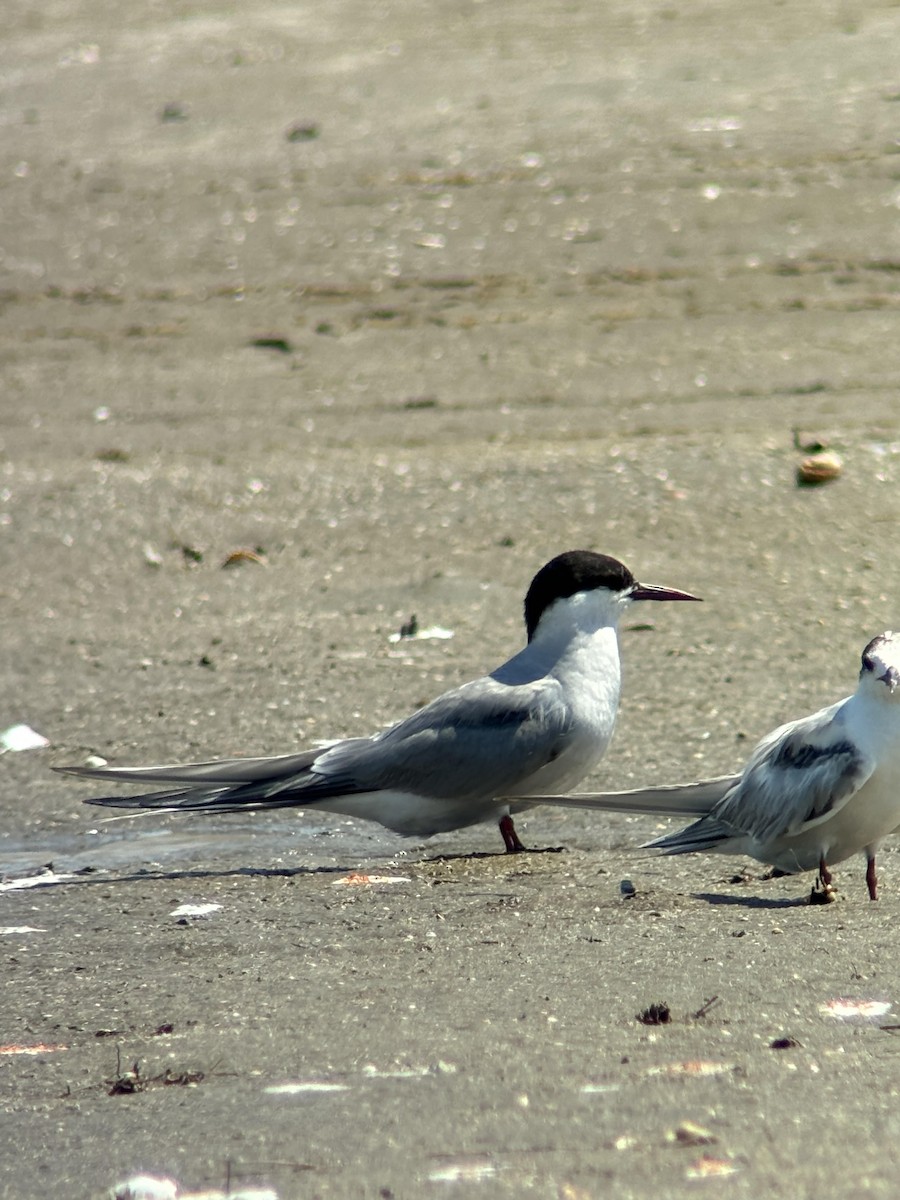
[881, 663]
[587, 591]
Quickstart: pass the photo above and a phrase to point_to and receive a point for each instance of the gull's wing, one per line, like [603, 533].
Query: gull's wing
[482, 739]
[678, 799]
[799, 775]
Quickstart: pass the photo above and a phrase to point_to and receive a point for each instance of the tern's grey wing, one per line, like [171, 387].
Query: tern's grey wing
[220, 785]
[800, 774]
[479, 740]
[224, 771]
[677, 799]
[482, 739]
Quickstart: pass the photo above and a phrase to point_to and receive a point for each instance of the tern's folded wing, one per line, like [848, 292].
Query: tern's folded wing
[482, 739]
[479, 740]
[799, 775]
[224, 771]
[679, 799]
[221, 785]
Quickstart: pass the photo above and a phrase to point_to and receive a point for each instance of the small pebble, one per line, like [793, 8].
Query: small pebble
[820, 468]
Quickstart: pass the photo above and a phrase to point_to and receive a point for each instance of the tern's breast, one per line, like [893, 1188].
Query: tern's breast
[867, 817]
[589, 677]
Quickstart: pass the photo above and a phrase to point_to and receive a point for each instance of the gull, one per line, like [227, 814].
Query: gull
[814, 792]
[542, 720]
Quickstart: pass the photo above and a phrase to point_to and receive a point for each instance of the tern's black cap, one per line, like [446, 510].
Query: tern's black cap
[873, 659]
[574, 571]
[868, 655]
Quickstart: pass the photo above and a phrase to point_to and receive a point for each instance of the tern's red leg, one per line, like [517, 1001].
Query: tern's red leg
[510, 837]
[871, 877]
[824, 873]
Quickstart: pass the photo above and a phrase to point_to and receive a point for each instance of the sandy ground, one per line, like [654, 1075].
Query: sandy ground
[526, 277]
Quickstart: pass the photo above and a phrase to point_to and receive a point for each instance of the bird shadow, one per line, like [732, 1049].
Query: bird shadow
[752, 901]
[98, 875]
[102, 875]
[497, 855]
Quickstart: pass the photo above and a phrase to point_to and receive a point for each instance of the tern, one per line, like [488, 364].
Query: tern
[814, 792]
[540, 721]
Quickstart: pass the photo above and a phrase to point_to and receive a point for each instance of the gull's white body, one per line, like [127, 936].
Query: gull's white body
[542, 720]
[813, 793]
